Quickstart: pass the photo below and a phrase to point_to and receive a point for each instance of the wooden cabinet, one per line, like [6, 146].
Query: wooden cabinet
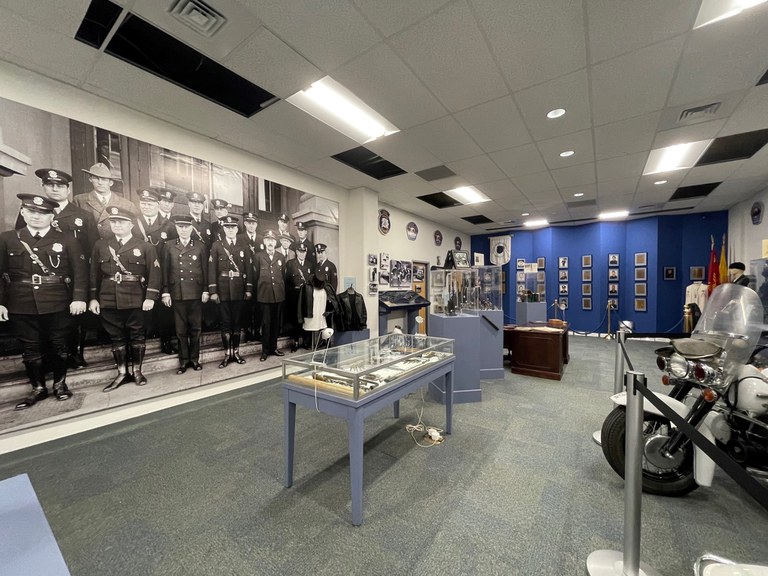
[537, 351]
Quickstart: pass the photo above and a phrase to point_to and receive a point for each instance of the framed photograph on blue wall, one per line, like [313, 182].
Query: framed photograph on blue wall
[613, 259]
[586, 261]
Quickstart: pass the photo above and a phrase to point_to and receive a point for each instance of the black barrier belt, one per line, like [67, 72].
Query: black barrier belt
[493, 324]
[739, 475]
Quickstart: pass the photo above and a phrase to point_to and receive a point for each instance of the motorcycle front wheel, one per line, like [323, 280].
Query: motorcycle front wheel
[675, 479]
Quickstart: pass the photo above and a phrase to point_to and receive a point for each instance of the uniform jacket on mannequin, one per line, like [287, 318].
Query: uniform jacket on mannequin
[352, 313]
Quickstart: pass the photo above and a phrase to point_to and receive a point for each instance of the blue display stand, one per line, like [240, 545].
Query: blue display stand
[478, 347]
[348, 336]
[528, 312]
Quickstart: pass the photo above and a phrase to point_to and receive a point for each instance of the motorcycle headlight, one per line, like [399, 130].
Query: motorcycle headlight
[678, 366]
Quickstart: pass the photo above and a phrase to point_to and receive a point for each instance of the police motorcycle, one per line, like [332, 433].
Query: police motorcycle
[720, 364]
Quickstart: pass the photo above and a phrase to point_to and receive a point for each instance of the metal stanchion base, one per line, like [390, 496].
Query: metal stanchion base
[597, 437]
[611, 563]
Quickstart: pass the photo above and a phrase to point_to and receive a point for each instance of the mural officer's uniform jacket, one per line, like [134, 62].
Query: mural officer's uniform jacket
[203, 232]
[75, 222]
[156, 232]
[91, 203]
[307, 243]
[296, 275]
[255, 244]
[122, 277]
[185, 270]
[329, 269]
[269, 274]
[27, 287]
[230, 270]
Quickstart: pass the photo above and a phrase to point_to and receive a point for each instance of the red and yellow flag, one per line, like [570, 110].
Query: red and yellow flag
[723, 264]
[713, 272]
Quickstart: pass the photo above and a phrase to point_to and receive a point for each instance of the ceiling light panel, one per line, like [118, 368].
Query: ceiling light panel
[712, 11]
[331, 103]
[467, 195]
[675, 157]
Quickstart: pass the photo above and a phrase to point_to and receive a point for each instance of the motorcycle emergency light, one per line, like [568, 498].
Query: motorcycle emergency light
[665, 380]
[704, 374]
[709, 394]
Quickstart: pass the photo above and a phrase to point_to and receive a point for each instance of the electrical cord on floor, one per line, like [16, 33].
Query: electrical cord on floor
[431, 435]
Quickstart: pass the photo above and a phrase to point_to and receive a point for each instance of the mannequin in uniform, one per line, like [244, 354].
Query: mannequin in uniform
[736, 274]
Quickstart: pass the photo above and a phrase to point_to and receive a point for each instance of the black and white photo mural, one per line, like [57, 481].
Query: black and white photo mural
[131, 270]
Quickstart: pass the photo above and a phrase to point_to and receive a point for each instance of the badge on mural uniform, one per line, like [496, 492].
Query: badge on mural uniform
[242, 254]
[279, 263]
[136, 252]
[163, 235]
[57, 247]
[194, 257]
[326, 268]
[78, 221]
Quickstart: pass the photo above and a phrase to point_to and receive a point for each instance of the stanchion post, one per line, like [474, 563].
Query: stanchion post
[618, 367]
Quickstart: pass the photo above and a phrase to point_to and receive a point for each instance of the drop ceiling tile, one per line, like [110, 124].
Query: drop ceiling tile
[394, 15]
[738, 188]
[326, 33]
[402, 149]
[751, 114]
[619, 187]
[570, 92]
[383, 81]
[408, 185]
[337, 173]
[500, 189]
[444, 138]
[41, 50]
[519, 161]
[620, 26]
[579, 142]
[755, 167]
[448, 52]
[630, 166]
[477, 170]
[574, 175]
[617, 202]
[268, 62]
[711, 173]
[532, 184]
[694, 133]
[634, 84]
[61, 17]
[625, 136]
[533, 41]
[646, 184]
[587, 191]
[517, 205]
[495, 125]
[723, 57]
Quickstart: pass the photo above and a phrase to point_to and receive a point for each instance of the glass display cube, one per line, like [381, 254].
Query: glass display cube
[489, 287]
[360, 369]
[454, 292]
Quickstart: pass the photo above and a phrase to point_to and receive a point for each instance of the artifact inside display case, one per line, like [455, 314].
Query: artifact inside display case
[454, 292]
[533, 287]
[488, 287]
[361, 368]
[759, 281]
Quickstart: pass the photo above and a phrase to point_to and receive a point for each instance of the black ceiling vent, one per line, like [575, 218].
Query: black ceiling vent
[734, 147]
[763, 80]
[369, 163]
[581, 204]
[138, 42]
[435, 173]
[697, 191]
[479, 219]
[440, 200]
[98, 21]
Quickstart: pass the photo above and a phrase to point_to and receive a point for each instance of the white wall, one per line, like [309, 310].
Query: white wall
[745, 242]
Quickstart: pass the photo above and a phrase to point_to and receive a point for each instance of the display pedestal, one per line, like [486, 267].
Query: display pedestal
[478, 342]
[529, 312]
[539, 351]
[348, 336]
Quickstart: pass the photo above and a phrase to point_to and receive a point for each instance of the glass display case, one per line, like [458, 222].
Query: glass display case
[363, 368]
[454, 292]
[489, 287]
[758, 270]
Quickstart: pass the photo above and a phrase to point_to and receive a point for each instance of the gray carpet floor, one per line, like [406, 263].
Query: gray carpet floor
[519, 488]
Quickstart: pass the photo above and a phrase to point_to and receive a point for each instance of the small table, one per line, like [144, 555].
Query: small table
[539, 351]
[355, 412]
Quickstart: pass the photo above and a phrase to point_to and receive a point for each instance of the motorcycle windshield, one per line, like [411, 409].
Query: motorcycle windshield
[732, 319]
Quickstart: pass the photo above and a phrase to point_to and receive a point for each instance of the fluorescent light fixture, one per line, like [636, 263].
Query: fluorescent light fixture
[712, 11]
[556, 113]
[676, 157]
[525, 214]
[613, 215]
[467, 195]
[578, 194]
[659, 182]
[533, 223]
[567, 153]
[331, 103]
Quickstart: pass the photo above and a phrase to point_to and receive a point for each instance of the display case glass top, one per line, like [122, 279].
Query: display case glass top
[454, 292]
[361, 369]
[489, 287]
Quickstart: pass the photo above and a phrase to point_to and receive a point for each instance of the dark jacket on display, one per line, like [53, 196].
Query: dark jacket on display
[352, 313]
[60, 254]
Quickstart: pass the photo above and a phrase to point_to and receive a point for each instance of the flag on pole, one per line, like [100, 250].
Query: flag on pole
[723, 264]
[713, 272]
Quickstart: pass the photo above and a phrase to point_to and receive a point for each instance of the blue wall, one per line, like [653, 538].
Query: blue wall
[668, 241]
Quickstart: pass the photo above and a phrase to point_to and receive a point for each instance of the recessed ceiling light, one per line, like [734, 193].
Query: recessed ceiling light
[525, 214]
[567, 153]
[660, 182]
[712, 11]
[613, 215]
[532, 223]
[676, 157]
[467, 195]
[333, 104]
[578, 194]
[556, 113]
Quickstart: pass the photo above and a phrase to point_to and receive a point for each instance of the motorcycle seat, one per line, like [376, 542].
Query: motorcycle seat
[694, 349]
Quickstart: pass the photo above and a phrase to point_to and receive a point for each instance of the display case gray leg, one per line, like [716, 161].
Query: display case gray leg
[356, 432]
[290, 434]
[396, 409]
[448, 402]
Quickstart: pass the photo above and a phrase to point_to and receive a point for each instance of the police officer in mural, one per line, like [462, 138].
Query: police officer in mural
[255, 244]
[269, 272]
[220, 211]
[326, 266]
[202, 228]
[76, 222]
[44, 283]
[297, 273]
[230, 285]
[303, 240]
[101, 198]
[185, 275]
[125, 281]
[166, 204]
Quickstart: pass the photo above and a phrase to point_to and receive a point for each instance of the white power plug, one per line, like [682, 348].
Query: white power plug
[434, 434]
